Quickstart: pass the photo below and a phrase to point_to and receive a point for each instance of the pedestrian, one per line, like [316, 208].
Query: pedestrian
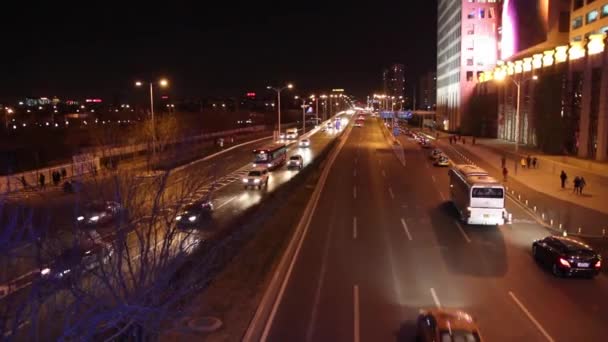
[473, 140]
[64, 173]
[577, 185]
[534, 162]
[529, 161]
[563, 176]
[505, 173]
[451, 140]
[23, 181]
[503, 162]
[41, 179]
[464, 141]
[581, 185]
[523, 162]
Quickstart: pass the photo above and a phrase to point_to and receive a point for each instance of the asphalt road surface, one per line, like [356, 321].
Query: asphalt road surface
[384, 242]
[228, 194]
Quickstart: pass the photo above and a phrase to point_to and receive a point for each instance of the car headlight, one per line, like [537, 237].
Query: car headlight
[80, 218]
[178, 217]
[45, 271]
[256, 180]
[192, 218]
[244, 180]
[94, 218]
[269, 164]
[65, 272]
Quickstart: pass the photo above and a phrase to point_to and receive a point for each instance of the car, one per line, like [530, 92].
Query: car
[99, 213]
[436, 153]
[359, 123]
[566, 256]
[194, 214]
[76, 260]
[295, 161]
[304, 143]
[446, 325]
[256, 178]
[442, 161]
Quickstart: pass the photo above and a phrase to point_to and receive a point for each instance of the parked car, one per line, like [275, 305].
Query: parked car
[567, 257]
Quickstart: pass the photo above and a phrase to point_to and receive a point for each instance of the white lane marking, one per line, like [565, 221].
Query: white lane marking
[442, 195]
[383, 174]
[355, 192]
[355, 173]
[434, 180]
[355, 227]
[466, 237]
[356, 335]
[390, 191]
[435, 298]
[407, 231]
[228, 201]
[531, 318]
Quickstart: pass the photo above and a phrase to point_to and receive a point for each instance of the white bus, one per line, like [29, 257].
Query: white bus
[478, 198]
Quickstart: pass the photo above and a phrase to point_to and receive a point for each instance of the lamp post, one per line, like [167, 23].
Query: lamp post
[303, 106]
[278, 91]
[314, 98]
[162, 83]
[324, 97]
[518, 83]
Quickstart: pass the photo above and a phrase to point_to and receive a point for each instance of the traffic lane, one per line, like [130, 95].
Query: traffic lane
[526, 280]
[320, 284]
[439, 255]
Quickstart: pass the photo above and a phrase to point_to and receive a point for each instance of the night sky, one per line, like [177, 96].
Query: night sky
[217, 50]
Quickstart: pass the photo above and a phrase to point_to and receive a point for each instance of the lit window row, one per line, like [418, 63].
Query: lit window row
[590, 17]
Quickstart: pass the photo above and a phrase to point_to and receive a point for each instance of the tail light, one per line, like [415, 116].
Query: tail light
[598, 264]
[564, 262]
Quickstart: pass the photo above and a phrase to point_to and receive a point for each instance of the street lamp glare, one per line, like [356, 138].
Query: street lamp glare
[138, 84]
[289, 86]
[535, 77]
[268, 87]
[163, 83]
[296, 97]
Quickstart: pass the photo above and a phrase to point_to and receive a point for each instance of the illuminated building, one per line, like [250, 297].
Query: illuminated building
[393, 80]
[466, 46]
[588, 17]
[427, 92]
[566, 110]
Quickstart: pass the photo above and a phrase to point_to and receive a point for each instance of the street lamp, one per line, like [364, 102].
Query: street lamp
[314, 98]
[162, 83]
[279, 90]
[518, 83]
[303, 106]
[324, 97]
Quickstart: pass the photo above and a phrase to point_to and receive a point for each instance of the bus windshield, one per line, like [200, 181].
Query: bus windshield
[487, 193]
[262, 157]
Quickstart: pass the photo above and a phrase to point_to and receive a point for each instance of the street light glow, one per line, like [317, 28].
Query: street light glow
[163, 82]
[138, 84]
[289, 86]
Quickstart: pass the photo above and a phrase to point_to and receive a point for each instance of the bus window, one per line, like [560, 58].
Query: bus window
[487, 193]
[261, 157]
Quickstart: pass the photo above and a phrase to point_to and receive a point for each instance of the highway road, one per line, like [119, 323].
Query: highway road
[227, 192]
[384, 242]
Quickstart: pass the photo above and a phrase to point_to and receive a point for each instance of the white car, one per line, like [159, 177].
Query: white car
[304, 143]
[295, 161]
[256, 178]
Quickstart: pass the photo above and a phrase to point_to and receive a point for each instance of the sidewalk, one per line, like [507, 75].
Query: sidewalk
[545, 178]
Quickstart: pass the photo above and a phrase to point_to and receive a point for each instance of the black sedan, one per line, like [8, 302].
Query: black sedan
[99, 213]
[194, 214]
[75, 261]
[566, 256]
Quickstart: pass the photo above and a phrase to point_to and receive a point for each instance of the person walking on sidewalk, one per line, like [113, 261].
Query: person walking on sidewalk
[564, 177]
[577, 185]
[534, 163]
[581, 185]
[503, 161]
[529, 161]
[505, 173]
[23, 182]
[523, 162]
[473, 141]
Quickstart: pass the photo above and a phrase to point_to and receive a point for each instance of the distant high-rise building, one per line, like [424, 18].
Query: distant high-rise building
[466, 46]
[426, 96]
[394, 81]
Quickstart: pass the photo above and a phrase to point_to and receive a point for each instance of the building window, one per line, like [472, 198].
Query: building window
[604, 11]
[471, 14]
[577, 22]
[471, 30]
[482, 13]
[491, 13]
[469, 61]
[592, 16]
[578, 4]
[604, 30]
[577, 39]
